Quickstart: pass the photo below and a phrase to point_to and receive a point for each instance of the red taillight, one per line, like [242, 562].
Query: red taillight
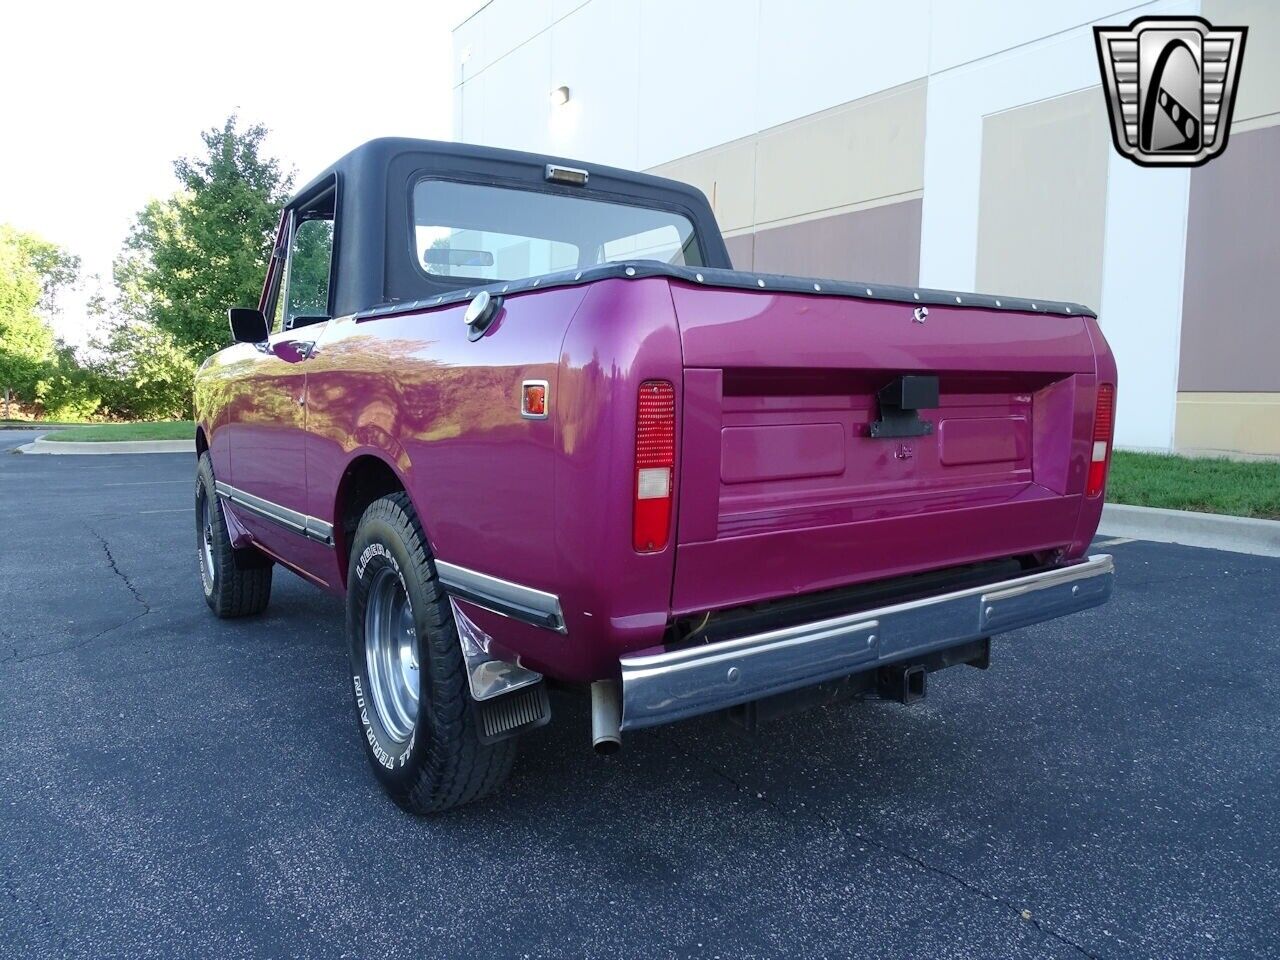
[655, 465]
[1100, 453]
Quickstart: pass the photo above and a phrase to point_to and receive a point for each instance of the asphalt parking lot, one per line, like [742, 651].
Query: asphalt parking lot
[176, 786]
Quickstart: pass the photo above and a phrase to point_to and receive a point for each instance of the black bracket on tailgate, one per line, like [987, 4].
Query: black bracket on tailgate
[899, 402]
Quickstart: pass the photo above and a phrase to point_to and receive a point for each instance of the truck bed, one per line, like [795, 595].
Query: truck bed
[781, 487]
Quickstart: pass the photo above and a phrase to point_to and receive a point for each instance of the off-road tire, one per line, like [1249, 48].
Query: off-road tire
[237, 583]
[442, 764]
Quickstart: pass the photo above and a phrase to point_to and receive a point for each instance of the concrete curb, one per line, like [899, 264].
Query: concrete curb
[1216, 531]
[60, 448]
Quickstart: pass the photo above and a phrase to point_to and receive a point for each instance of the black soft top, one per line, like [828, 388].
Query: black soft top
[374, 255]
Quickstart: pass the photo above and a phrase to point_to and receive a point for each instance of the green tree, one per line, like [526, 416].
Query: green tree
[206, 248]
[32, 272]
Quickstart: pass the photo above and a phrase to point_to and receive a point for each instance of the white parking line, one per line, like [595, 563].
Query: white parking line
[142, 483]
[1114, 542]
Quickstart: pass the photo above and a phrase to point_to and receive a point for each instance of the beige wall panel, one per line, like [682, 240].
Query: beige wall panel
[1228, 423]
[726, 175]
[858, 152]
[1042, 201]
[1259, 93]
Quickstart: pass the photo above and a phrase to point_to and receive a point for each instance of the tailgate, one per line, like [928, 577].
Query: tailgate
[783, 487]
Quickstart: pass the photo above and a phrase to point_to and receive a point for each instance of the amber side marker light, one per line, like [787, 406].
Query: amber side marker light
[655, 464]
[533, 400]
[1103, 425]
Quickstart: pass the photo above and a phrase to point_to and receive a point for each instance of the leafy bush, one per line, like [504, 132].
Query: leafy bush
[67, 391]
[142, 373]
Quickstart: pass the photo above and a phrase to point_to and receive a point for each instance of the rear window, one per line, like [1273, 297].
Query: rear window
[475, 232]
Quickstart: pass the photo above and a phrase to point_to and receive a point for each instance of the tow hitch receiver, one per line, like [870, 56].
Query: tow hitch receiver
[904, 684]
[900, 403]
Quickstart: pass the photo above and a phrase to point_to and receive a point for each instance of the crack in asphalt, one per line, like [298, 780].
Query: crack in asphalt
[71, 648]
[46, 921]
[111, 562]
[906, 855]
[133, 591]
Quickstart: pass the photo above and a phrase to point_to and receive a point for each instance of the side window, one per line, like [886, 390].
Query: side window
[306, 290]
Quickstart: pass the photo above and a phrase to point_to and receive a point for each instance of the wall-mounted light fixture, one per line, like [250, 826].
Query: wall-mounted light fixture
[559, 96]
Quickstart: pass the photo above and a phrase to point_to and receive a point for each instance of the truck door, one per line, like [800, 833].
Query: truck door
[268, 439]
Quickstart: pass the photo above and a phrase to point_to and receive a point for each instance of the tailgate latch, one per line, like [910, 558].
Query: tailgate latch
[899, 402]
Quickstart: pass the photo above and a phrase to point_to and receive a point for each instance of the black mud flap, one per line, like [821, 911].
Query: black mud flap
[513, 713]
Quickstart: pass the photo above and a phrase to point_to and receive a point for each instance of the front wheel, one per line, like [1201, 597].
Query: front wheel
[411, 695]
[236, 583]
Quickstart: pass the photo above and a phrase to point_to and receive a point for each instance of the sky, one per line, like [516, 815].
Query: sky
[98, 99]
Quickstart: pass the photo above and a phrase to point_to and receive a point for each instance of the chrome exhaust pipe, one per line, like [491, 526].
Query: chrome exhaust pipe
[606, 717]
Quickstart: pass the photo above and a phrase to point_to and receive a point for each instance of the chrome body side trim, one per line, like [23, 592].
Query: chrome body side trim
[676, 684]
[313, 528]
[502, 596]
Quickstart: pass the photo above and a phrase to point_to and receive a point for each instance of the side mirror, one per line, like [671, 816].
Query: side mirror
[248, 325]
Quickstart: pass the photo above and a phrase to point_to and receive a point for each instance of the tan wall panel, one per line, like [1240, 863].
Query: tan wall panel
[1042, 202]
[726, 175]
[1228, 422]
[1259, 93]
[858, 152]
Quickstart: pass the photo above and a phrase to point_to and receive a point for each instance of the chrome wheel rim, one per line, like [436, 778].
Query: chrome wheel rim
[206, 537]
[391, 655]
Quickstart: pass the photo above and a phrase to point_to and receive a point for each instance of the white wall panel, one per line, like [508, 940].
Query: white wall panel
[816, 54]
[509, 23]
[962, 32]
[468, 49]
[516, 101]
[595, 52]
[1141, 313]
[468, 111]
[698, 83]
[562, 8]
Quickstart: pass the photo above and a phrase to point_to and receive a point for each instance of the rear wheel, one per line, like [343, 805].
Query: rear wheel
[236, 583]
[411, 695]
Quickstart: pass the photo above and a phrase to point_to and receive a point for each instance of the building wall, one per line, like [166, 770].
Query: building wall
[957, 145]
[1229, 373]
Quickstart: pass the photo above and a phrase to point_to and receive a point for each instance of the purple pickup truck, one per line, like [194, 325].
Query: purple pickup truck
[526, 418]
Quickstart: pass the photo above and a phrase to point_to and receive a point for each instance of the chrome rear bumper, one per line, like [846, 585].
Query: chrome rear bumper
[670, 686]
